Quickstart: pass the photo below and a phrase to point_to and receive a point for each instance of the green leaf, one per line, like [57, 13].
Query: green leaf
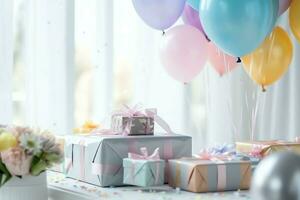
[5, 174]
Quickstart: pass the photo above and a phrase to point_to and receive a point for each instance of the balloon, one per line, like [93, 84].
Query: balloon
[238, 26]
[277, 177]
[191, 17]
[271, 60]
[283, 6]
[183, 52]
[194, 4]
[159, 14]
[295, 18]
[220, 61]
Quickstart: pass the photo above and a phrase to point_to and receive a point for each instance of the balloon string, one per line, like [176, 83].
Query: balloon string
[163, 33]
[238, 60]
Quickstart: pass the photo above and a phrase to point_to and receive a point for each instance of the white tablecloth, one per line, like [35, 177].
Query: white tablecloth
[61, 188]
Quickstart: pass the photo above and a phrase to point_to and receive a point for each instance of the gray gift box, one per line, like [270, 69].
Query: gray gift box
[138, 125]
[98, 159]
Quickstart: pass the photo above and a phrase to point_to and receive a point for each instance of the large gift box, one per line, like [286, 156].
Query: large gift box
[265, 148]
[197, 175]
[144, 170]
[98, 159]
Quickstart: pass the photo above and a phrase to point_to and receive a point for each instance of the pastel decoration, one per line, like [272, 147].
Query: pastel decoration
[219, 60]
[238, 27]
[183, 52]
[159, 14]
[194, 4]
[271, 60]
[283, 6]
[295, 18]
[190, 16]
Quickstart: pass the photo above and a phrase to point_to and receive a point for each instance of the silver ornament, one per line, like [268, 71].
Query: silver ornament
[277, 177]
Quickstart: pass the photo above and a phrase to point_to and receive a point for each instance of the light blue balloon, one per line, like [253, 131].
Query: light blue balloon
[238, 27]
[194, 4]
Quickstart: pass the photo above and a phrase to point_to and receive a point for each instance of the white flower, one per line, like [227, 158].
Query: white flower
[31, 143]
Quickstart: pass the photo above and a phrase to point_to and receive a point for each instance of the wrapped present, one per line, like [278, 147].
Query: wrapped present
[98, 159]
[136, 121]
[144, 170]
[261, 149]
[200, 175]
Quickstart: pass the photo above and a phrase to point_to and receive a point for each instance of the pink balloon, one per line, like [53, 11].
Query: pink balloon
[183, 52]
[283, 6]
[220, 61]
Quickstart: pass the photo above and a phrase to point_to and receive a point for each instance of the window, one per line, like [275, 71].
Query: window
[80, 60]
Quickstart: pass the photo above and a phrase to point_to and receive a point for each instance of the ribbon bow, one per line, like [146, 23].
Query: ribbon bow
[138, 111]
[144, 155]
[224, 152]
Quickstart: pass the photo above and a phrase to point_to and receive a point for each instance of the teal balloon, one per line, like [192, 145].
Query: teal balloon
[238, 27]
[194, 4]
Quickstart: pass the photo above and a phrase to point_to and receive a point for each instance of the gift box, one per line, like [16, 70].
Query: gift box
[197, 175]
[98, 160]
[264, 148]
[136, 125]
[143, 170]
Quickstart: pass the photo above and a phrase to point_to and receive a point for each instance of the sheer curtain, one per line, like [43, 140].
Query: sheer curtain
[80, 60]
[6, 61]
[239, 110]
[70, 61]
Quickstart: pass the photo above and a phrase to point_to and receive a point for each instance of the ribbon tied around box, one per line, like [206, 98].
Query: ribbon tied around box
[145, 156]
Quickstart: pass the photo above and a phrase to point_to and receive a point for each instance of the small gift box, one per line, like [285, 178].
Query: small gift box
[262, 149]
[133, 121]
[144, 170]
[198, 175]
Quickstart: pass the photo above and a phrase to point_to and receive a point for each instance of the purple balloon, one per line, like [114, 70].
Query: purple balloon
[159, 14]
[283, 6]
[191, 16]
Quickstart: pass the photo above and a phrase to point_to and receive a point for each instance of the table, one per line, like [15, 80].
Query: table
[61, 188]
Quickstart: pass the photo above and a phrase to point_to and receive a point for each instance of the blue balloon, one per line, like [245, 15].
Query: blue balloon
[238, 27]
[194, 4]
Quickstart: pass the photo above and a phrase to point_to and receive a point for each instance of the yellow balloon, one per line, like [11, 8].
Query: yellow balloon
[7, 140]
[295, 18]
[271, 60]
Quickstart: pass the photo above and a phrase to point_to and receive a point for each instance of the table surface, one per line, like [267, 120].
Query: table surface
[69, 189]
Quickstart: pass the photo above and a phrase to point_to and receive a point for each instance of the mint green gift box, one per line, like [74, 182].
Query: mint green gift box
[144, 173]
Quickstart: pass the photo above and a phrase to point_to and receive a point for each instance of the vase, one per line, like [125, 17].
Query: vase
[25, 188]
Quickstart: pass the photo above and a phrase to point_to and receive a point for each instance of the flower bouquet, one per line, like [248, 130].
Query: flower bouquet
[25, 154]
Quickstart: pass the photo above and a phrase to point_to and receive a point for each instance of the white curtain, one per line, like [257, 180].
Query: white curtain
[6, 61]
[239, 110]
[125, 68]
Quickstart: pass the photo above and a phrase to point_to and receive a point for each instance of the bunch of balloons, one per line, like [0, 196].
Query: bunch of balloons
[223, 32]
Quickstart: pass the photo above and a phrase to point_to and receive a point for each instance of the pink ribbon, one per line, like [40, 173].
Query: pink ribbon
[131, 112]
[82, 159]
[138, 111]
[144, 155]
[220, 160]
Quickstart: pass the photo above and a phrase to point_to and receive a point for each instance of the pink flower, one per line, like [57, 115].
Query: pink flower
[16, 161]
